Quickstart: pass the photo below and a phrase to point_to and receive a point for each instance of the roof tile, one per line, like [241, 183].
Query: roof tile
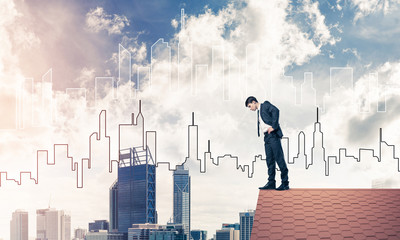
[327, 214]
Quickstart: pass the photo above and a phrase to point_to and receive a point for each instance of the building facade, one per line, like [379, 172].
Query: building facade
[114, 207]
[246, 224]
[182, 199]
[52, 224]
[19, 225]
[133, 196]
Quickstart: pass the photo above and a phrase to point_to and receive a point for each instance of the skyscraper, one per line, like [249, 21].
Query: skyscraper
[19, 225]
[246, 224]
[133, 196]
[52, 224]
[114, 207]
[182, 198]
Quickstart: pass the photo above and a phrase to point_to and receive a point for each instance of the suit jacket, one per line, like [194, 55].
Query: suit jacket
[270, 115]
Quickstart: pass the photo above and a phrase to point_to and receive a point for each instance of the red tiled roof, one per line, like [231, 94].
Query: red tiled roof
[327, 214]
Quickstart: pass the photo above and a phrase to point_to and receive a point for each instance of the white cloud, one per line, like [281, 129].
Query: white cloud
[13, 41]
[338, 6]
[24, 38]
[367, 7]
[353, 51]
[85, 79]
[8, 12]
[322, 33]
[174, 23]
[137, 50]
[98, 20]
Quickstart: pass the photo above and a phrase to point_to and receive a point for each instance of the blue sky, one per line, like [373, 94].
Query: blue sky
[373, 37]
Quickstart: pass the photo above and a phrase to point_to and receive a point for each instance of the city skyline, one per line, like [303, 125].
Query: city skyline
[63, 231]
[131, 153]
[136, 156]
[339, 78]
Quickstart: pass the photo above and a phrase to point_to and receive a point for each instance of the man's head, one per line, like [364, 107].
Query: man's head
[251, 102]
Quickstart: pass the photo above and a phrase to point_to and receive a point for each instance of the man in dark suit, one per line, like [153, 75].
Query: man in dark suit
[268, 123]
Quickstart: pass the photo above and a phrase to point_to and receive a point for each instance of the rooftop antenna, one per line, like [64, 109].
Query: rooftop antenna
[317, 115]
[192, 118]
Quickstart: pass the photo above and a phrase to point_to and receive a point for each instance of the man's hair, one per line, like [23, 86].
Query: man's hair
[250, 100]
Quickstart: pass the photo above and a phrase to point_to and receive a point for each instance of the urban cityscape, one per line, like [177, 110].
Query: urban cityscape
[132, 206]
[133, 214]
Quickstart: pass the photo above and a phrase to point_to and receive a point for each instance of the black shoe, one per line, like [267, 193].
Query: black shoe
[269, 185]
[283, 186]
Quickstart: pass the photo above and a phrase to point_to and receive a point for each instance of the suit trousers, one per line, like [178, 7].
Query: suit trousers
[274, 153]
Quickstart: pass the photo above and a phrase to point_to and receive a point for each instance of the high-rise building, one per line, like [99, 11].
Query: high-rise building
[182, 198]
[227, 234]
[52, 224]
[133, 196]
[198, 234]
[246, 224]
[114, 207]
[19, 225]
[98, 225]
[80, 234]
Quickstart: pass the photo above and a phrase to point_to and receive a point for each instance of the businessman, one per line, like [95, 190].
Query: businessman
[268, 124]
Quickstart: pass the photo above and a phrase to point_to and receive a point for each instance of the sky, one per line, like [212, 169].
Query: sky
[72, 59]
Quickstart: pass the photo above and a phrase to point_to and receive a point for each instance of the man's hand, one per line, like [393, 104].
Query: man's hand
[270, 129]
